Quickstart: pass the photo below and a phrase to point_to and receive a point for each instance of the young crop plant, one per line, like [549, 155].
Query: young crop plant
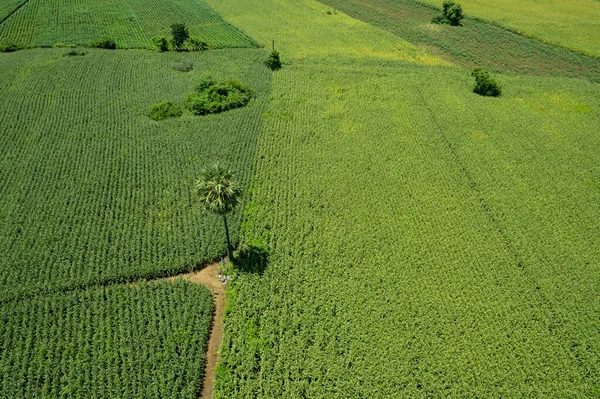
[452, 14]
[211, 97]
[180, 34]
[165, 110]
[273, 62]
[484, 84]
[184, 66]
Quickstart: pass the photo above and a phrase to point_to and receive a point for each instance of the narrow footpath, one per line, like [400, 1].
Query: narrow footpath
[209, 277]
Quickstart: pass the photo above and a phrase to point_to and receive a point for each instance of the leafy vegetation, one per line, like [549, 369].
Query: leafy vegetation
[184, 66]
[274, 62]
[165, 110]
[94, 191]
[108, 44]
[146, 341]
[452, 14]
[570, 23]
[161, 43]
[131, 23]
[484, 84]
[477, 43]
[212, 97]
[179, 34]
[8, 47]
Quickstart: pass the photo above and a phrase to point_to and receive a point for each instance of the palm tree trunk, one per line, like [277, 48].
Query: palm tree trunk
[229, 249]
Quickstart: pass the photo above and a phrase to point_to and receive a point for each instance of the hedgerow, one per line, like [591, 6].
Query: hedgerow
[144, 341]
[165, 110]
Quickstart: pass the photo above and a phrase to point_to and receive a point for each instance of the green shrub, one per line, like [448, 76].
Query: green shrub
[273, 62]
[211, 97]
[196, 44]
[452, 14]
[161, 43]
[184, 66]
[484, 84]
[8, 46]
[74, 53]
[104, 43]
[180, 35]
[165, 110]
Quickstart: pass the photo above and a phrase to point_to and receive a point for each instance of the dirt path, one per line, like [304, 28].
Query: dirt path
[209, 277]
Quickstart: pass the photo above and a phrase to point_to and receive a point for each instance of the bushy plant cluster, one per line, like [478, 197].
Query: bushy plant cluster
[484, 84]
[121, 341]
[8, 46]
[165, 110]
[452, 14]
[108, 44]
[211, 97]
[273, 62]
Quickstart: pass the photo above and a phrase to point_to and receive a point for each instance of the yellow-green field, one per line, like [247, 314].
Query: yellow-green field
[573, 24]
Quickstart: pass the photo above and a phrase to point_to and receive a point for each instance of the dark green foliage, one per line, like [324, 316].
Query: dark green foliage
[161, 43]
[165, 110]
[273, 62]
[211, 97]
[196, 44]
[184, 66]
[108, 44]
[251, 259]
[484, 84]
[476, 43]
[121, 341]
[452, 14]
[180, 34]
[8, 47]
[75, 53]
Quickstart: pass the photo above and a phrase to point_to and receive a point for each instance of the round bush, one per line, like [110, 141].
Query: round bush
[211, 97]
[165, 110]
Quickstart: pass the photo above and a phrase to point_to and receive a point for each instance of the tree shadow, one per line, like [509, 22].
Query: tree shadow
[251, 259]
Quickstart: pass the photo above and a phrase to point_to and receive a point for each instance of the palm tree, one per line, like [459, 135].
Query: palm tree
[219, 193]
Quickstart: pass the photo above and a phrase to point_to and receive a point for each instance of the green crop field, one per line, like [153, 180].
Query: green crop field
[8, 7]
[117, 342]
[412, 238]
[93, 190]
[131, 23]
[477, 43]
[424, 241]
[569, 23]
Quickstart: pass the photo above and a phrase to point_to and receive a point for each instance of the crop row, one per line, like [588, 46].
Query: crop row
[131, 23]
[146, 341]
[92, 189]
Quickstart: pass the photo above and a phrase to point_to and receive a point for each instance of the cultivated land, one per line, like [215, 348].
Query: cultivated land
[131, 23]
[93, 190]
[573, 24]
[120, 341]
[422, 241]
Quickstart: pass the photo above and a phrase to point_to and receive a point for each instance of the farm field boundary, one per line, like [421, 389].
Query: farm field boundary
[476, 43]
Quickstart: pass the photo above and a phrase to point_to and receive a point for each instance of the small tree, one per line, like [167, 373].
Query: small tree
[220, 193]
[180, 35]
[452, 14]
[273, 62]
[484, 84]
